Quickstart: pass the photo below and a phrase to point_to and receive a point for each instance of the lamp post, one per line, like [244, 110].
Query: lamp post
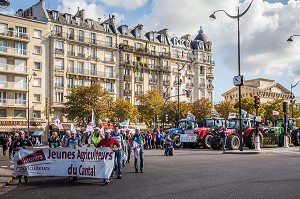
[4, 3]
[292, 97]
[239, 78]
[28, 101]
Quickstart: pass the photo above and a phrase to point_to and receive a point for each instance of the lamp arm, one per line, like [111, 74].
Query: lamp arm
[235, 16]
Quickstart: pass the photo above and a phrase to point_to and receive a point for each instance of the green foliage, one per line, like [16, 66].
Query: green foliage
[83, 99]
[224, 108]
[201, 108]
[150, 105]
[123, 110]
[275, 105]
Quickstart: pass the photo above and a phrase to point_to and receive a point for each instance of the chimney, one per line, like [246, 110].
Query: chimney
[186, 37]
[82, 14]
[164, 31]
[112, 19]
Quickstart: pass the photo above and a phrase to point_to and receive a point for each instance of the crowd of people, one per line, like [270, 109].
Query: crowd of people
[122, 141]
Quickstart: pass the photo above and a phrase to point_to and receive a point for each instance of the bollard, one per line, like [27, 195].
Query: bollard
[224, 136]
[285, 142]
[257, 143]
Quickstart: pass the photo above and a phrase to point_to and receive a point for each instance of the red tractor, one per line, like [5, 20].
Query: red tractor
[232, 140]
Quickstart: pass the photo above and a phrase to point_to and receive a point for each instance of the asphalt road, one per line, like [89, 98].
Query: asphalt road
[189, 173]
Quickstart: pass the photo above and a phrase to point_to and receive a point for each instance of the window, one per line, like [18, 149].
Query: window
[80, 82]
[54, 15]
[37, 82]
[108, 56]
[71, 33]
[20, 66]
[3, 98]
[19, 113]
[152, 63]
[37, 65]
[93, 38]
[92, 69]
[59, 97]
[37, 33]
[90, 23]
[3, 113]
[37, 50]
[78, 21]
[3, 46]
[68, 18]
[20, 99]
[176, 53]
[59, 64]
[138, 46]
[165, 64]
[70, 83]
[80, 35]
[127, 57]
[109, 87]
[163, 39]
[202, 94]
[37, 98]
[3, 28]
[80, 51]
[138, 89]
[151, 36]
[59, 46]
[108, 41]
[125, 30]
[125, 42]
[127, 86]
[20, 49]
[20, 83]
[80, 67]
[93, 53]
[71, 50]
[58, 30]
[59, 81]
[21, 32]
[37, 114]
[152, 50]
[71, 66]
[108, 72]
[127, 71]
[137, 33]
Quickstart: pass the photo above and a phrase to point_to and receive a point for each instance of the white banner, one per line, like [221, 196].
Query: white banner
[82, 162]
[188, 137]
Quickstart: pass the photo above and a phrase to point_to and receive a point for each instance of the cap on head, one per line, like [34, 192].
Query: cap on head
[107, 131]
[78, 129]
[68, 131]
[97, 128]
[16, 134]
[137, 128]
[21, 132]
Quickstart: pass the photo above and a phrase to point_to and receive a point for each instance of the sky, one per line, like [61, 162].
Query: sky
[264, 30]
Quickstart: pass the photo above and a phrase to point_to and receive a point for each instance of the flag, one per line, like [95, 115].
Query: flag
[190, 116]
[90, 127]
[72, 128]
[244, 113]
[231, 115]
[58, 124]
[275, 112]
[93, 119]
[214, 113]
[125, 123]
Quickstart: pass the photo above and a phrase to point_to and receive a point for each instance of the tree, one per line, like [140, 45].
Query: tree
[247, 105]
[201, 108]
[224, 108]
[85, 99]
[271, 106]
[123, 110]
[151, 104]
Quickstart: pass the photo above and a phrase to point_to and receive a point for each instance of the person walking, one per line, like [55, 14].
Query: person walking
[65, 138]
[158, 140]
[129, 146]
[118, 154]
[74, 142]
[11, 153]
[168, 142]
[54, 141]
[138, 143]
[20, 143]
[110, 142]
[95, 138]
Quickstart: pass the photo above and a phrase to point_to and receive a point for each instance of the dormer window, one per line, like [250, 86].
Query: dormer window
[175, 42]
[78, 21]
[90, 23]
[68, 18]
[151, 36]
[137, 33]
[106, 27]
[163, 39]
[55, 15]
[125, 30]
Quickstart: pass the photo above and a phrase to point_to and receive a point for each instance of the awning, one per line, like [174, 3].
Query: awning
[37, 133]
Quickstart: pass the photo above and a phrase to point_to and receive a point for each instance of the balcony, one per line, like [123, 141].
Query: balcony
[110, 90]
[189, 84]
[59, 67]
[16, 52]
[190, 72]
[13, 86]
[165, 54]
[8, 68]
[13, 103]
[109, 59]
[10, 34]
[138, 92]
[166, 82]
[71, 53]
[127, 92]
[210, 74]
[127, 77]
[210, 86]
[139, 79]
[80, 55]
[59, 50]
[201, 85]
[110, 75]
[81, 38]
[152, 81]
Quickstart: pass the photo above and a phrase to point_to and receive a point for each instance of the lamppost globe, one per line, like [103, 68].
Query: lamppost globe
[212, 17]
[290, 39]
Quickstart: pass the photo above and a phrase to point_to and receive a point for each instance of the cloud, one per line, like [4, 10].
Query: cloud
[127, 4]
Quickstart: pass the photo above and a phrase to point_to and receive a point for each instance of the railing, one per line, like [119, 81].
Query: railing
[189, 84]
[110, 90]
[14, 51]
[59, 67]
[13, 68]
[59, 50]
[13, 102]
[127, 92]
[14, 34]
[78, 38]
[13, 85]
[101, 74]
[59, 85]
[166, 82]
[71, 53]
[127, 77]
[139, 92]
[201, 85]
[210, 86]
[152, 81]
[139, 79]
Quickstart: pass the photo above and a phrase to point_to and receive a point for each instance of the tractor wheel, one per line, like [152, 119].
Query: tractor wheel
[206, 141]
[250, 140]
[216, 143]
[281, 140]
[233, 142]
[296, 141]
[176, 142]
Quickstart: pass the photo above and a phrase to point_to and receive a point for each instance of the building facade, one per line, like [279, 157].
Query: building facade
[267, 89]
[76, 50]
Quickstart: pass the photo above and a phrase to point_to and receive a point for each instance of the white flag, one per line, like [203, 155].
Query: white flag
[231, 115]
[93, 119]
[58, 124]
[275, 112]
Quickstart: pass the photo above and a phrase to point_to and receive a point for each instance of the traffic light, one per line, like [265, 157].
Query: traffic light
[256, 101]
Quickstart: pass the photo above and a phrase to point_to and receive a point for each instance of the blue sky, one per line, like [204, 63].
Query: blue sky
[264, 30]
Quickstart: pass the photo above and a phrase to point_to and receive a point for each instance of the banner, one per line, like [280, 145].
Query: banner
[275, 112]
[85, 162]
[231, 115]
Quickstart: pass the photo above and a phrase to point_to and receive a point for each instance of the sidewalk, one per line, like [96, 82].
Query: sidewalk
[6, 169]
[271, 150]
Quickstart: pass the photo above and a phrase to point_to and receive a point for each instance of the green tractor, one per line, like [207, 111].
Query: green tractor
[275, 134]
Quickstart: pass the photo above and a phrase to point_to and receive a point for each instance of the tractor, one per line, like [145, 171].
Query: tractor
[184, 133]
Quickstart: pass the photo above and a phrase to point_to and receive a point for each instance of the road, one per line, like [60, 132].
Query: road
[196, 173]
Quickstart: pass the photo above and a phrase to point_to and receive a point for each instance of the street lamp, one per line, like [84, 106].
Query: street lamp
[290, 38]
[4, 3]
[238, 79]
[28, 107]
[292, 97]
